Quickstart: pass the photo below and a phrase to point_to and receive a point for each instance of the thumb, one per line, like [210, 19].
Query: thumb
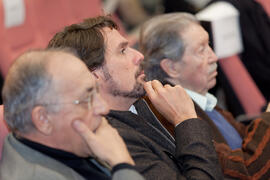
[149, 89]
[83, 131]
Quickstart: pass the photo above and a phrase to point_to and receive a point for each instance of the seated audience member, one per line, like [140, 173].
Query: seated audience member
[55, 112]
[117, 68]
[177, 52]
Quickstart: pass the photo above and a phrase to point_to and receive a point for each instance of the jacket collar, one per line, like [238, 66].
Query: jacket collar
[146, 124]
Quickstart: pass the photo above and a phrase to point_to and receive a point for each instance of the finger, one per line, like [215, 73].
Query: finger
[157, 85]
[83, 131]
[149, 89]
[167, 86]
[268, 108]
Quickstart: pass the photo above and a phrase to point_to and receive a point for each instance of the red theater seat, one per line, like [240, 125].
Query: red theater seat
[17, 39]
[266, 5]
[49, 16]
[82, 9]
[243, 85]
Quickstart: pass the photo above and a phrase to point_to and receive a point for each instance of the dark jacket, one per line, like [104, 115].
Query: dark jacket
[157, 155]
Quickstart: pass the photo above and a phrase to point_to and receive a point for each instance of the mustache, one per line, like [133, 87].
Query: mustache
[140, 70]
[213, 68]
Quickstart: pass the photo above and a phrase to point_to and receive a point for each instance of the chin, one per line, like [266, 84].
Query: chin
[212, 84]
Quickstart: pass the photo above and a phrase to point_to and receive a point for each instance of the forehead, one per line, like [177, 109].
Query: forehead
[194, 34]
[69, 73]
[113, 39]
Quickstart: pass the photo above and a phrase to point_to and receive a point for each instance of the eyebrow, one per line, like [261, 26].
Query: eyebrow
[123, 44]
[89, 89]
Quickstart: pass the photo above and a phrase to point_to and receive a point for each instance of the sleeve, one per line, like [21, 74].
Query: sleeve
[252, 160]
[197, 158]
[195, 151]
[125, 171]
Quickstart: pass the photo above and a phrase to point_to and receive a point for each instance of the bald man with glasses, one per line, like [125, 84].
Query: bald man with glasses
[56, 115]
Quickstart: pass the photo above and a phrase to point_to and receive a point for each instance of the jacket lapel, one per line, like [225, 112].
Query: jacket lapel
[144, 127]
[145, 111]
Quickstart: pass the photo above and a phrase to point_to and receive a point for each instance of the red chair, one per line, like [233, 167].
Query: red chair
[49, 16]
[17, 39]
[82, 9]
[266, 5]
[243, 85]
[3, 129]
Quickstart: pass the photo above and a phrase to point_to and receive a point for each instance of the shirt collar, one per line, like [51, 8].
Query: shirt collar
[133, 109]
[207, 102]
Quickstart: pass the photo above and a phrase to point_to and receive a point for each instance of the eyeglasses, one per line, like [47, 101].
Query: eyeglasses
[87, 102]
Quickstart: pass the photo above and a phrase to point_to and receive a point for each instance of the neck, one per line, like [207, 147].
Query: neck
[178, 82]
[117, 102]
[56, 142]
[173, 81]
[38, 138]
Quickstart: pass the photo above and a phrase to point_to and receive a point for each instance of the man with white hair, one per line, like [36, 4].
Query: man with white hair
[177, 51]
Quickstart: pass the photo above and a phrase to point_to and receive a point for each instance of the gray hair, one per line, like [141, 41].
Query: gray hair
[160, 38]
[27, 85]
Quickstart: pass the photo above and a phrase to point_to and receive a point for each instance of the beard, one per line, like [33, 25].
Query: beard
[114, 89]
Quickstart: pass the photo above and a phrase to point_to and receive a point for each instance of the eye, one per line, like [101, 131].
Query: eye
[201, 49]
[123, 50]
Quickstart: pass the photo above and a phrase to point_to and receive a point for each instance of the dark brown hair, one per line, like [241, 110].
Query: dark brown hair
[86, 38]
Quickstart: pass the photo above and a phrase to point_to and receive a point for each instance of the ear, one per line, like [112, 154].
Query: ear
[41, 120]
[98, 74]
[170, 68]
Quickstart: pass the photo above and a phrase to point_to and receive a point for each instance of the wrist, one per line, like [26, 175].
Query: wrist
[121, 160]
[179, 119]
[122, 166]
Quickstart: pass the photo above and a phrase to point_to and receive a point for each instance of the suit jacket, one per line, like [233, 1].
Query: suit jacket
[21, 162]
[158, 155]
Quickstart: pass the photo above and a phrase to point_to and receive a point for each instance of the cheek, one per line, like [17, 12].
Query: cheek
[200, 76]
[203, 70]
[92, 121]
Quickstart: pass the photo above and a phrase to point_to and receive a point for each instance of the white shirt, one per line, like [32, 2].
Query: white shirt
[207, 102]
[133, 109]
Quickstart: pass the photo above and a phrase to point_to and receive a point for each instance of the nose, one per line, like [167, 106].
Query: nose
[100, 107]
[138, 57]
[212, 56]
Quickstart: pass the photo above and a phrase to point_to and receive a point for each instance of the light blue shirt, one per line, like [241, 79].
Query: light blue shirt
[207, 103]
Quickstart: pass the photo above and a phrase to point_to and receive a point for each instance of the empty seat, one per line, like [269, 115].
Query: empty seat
[266, 5]
[243, 85]
[16, 39]
[49, 16]
[82, 9]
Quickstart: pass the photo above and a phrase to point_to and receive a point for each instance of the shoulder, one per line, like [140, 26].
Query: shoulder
[21, 162]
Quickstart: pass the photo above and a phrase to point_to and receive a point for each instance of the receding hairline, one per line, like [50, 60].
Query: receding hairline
[45, 57]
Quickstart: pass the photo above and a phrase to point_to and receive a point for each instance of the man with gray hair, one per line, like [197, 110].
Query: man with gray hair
[56, 115]
[177, 52]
